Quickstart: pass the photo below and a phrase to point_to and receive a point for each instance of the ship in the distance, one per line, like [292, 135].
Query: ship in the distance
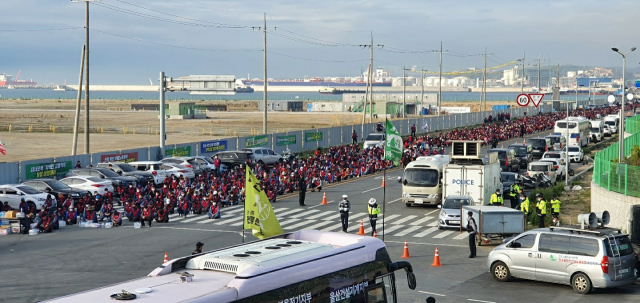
[7, 80]
[381, 78]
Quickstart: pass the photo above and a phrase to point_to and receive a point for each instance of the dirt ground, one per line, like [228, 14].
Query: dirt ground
[32, 129]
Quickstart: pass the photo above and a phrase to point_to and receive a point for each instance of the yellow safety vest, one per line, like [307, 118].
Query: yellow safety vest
[496, 199]
[374, 210]
[524, 206]
[542, 206]
[515, 189]
[555, 205]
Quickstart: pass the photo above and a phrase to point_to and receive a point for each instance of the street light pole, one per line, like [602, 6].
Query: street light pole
[621, 130]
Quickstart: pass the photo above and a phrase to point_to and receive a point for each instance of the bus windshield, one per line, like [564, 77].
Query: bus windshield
[564, 125]
[421, 177]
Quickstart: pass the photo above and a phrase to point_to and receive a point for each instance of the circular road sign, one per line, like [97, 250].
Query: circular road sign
[523, 99]
[629, 96]
[611, 99]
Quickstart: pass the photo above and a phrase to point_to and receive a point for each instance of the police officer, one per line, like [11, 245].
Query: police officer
[542, 210]
[524, 206]
[198, 250]
[513, 194]
[303, 190]
[472, 229]
[555, 209]
[374, 211]
[496, 199]
[344, 206]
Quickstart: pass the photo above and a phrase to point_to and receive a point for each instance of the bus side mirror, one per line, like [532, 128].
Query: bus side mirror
[404, 182]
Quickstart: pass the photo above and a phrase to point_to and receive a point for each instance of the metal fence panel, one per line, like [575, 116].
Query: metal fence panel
[347, 132]
[154, 153]
[84, 159]
[279, 142]
[10, 173]
[97, 157]
[242, 142]
[298, 146]
[368, 128]
[310, 145]
[325, 137]
[335, 136]
[397, 125]
[190, 147]
[23, 166]
[404, 127]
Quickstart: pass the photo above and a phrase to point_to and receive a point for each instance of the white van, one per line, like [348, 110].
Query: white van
[156, 168]
[597, 130]
[422, 181]
[612, 122]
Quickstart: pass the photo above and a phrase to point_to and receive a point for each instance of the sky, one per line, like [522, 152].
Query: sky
[131, 41]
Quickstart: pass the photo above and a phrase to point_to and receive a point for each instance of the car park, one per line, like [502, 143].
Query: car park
[264, 155]
[186, 162]
[14, 193]
[540, 146]
[575, 153]
[374, 140]
[236, 158]
[450, 211]
[583, 259]
[536, 168]
[104, 174]
[524, 152]
[89, 184]
[156, 168]
[509, 161]
[126, 170]
[179, 171]
[54, 187]
[558, 141]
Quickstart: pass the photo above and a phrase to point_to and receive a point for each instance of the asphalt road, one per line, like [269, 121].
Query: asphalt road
[74, 259]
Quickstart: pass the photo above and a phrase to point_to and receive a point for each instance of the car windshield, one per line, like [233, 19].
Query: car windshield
[28, 190]
[521, 151]
[375, 137]
[454, 203]
[538, 167]
[57, 185]
[207, 160]
[552, 156]
[421, 177]
[508, 177]
[595, 130]
[126, 168]
[109, 173]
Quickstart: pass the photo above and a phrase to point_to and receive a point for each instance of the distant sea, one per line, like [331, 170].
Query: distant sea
[313, 96]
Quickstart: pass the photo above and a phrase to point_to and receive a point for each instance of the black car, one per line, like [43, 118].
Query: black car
[540, 146]
[54, 187]
[103, 173]
[509, 161]
[524, 152]
[236, 158]
[124, 169]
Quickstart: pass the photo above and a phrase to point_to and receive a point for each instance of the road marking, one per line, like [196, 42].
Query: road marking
[199, 229]
[223, 222]
[322, 223]
[407, 218]
[368, 190]
[305, 222]
[472, 300]
[391, 228]
[305, 213]
[322, 214]
[196, 218]
[419, 222]
[421, 243]
[391, 217]
[396, 200]
[277, 210]
[321, 204]
[291, 211]
[335, 227]
[431, 212]
[431, 293]
[406, 231]
[426, 232]
[289, 222]
[443, 234]
[461, 236]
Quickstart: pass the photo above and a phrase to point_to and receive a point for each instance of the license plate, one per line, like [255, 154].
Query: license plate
[454, 222]
[418, 201]
[624, 270]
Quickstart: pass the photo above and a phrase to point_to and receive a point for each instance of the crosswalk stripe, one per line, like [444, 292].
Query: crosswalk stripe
[278, 210]
[461, 236]
[175, 219]
[315, 226]
[233, 211]
[387, 218]
[207, 220]
[443, 234]
[406, 231]
[390, 228]
[323, 214]
[291, 211]
[419, 222]
[304, 213]
[227, 221]
[289, 221]
[407, 218]
[305, 222]
[336, 227]
[426, 232]
[195, 218]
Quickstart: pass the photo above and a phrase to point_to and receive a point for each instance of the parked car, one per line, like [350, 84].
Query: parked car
[546, 168]
[89, 184]
[450, 211]
[179, 171]
[13, 193]
[583, 259]
[374, 140]
[508, 159]
[524, 152]
[575, 153]
[558, 141]
[554, 155]
[156, 168]
[559, 164]
[236, 158]
[540, 146]
[124, 169]
[186, 162]
[104, 174]
[54, 187]
[264, 155]
[205, 163]
[606, 130]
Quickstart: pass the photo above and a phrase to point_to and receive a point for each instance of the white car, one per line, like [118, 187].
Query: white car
[450, 211]
[205, 163]
[14, 193]
[559, 165]
[575, 153]
[374, 140]
[606, 130]
[156, 168]
[179, 171]
[90, 184]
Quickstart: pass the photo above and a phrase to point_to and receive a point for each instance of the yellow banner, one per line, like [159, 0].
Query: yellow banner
[258, 213]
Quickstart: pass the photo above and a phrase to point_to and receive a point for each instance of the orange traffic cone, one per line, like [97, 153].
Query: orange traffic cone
[374, 234]
[405, 253]
[436, 259]
[361, 231]
[384, 183]
[166, 257]
[524, 142]
[324, 199]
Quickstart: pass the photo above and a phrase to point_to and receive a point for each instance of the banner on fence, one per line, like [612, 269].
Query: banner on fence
[308, 137]
[48, 170]
[456, 110]
[213, 146]
[126, 157]
[286, 140]
[256, 141]
[184, 151]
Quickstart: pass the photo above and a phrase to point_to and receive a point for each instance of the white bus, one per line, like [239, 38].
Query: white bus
[579, 130]
[300, 267]
[422, 181]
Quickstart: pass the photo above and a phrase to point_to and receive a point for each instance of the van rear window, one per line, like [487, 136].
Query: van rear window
[538, 142]
[621, 246]
[539, 168]
[584, 247]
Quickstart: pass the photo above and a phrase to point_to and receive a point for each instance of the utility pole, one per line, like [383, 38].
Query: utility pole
[539, 79]
[76, 123]
[484, 81]
[163, 87]
[264, 93]
[422, 86]
[440, 82]
[522, 80]
[404, 91]
[371, 79]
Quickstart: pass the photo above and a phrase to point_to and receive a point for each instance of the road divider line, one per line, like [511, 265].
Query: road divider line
[433, 211]
[472, 300]
[431, 293]
[368, 190]
[396, 200]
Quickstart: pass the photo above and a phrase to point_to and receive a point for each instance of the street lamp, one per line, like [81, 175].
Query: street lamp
[621, 132]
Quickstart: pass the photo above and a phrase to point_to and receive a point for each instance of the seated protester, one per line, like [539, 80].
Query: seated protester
[54, 220]
[195, 206]
[90, 215]
[127, 209]
[183, 207]
[169, 204]
[61, 213]
[23, 207]
[66, 202]
[116, 219]
[163, 216]
[135, 214]
[108, 196]
[214, 211]
[44, 226]
[147, 215]
[50, 204]
[106, 212]
[204, 205]
[80, 207]
[233, 199]
[43, 213]
[316, 184]
[6, 207]
[97, 204]
[71, 216]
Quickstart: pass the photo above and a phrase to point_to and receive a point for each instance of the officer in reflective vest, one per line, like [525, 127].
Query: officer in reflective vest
[542, 210]
[374, 211]
[344, 206]
[513, 194]
[496, 199]
[555, 206]
[524, 206]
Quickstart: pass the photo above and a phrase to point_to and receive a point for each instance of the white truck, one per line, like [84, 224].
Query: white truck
[612, 121]
[468, 174]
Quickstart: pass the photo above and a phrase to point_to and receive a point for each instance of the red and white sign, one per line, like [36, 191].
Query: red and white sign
[523, 99]
[536, 99]
[2, 149]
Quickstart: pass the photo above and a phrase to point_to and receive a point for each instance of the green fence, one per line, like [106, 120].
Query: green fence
[619, 177]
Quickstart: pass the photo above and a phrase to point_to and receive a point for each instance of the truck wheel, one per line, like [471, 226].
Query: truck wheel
[408, 204]
[581, 283]
[500, 272]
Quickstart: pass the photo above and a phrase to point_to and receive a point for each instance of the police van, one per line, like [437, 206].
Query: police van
[422, 181]
[470, 175]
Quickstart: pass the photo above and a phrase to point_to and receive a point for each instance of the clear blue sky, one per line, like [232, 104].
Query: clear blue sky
[318, 33]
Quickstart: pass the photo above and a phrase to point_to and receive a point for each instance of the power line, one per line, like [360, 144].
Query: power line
[168, 14]
[40, 30]
[317, 60]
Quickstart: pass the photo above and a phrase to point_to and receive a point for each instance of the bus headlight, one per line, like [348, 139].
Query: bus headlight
[406, 195]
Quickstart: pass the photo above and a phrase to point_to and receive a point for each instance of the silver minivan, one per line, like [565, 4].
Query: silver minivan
[584, 259]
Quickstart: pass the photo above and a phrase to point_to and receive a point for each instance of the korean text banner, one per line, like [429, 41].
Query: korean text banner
[126, 157]
[178, 152]
[213, 146]
[257, 141]
[286, 140]
[48, 170]
[308, 137]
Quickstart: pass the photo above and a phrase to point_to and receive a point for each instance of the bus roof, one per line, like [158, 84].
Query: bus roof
[437, 161]
[245, 270]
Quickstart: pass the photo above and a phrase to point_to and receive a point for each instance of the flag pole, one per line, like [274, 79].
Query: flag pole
[244, 205]
[384, 196]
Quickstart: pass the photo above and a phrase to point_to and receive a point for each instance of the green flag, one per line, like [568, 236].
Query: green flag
[258, 213]
[393, 146]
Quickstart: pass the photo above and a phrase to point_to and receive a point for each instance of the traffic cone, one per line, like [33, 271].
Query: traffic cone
[384, 183]
[324, 199]
[405, 253]
[524, 142]
[361, 231]
[166, 257]
[374, 234]
[436, 259]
